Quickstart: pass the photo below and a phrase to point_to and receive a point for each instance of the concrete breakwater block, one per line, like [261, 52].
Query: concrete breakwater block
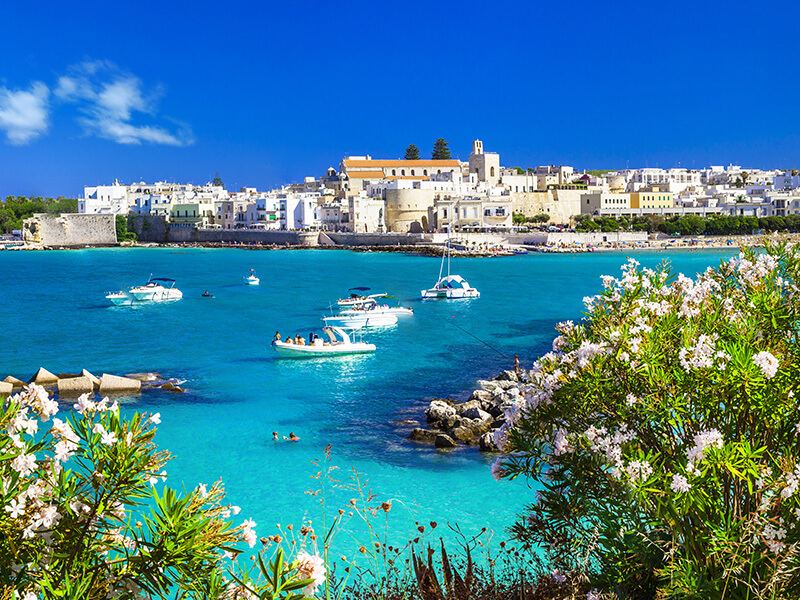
[95, 381]
[44, 377]
[113, 384]
[6, 389]
[17, 383]
[75, 386]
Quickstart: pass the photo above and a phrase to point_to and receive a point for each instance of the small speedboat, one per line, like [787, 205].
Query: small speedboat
[120, 298]
[337, 343]
[355, 299]
[252, 279]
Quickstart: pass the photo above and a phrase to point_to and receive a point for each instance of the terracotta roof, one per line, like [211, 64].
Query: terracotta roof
[355, 164]
[365, 174]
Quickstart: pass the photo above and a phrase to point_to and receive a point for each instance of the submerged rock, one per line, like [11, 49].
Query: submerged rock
[419, 434]
[444, 441]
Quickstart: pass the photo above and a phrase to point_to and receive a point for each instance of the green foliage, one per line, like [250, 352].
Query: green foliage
[441, 151]
[15, 209]
[663, 432]
[519, 170]
[217, 180]
[412, 153]
[599, 172]
[123, 234]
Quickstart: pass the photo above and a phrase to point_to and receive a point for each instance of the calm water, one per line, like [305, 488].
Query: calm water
[53, 314]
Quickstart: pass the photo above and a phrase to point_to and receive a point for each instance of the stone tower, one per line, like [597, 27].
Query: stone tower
[485, 164]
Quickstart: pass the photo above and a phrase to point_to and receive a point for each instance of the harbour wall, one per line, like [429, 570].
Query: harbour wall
[155, 229]
[69, 230]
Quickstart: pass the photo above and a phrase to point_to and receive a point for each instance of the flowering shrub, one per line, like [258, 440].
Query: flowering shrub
[664, 433]
[83, 516]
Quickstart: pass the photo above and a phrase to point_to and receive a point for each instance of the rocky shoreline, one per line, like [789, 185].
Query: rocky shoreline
[471, 423]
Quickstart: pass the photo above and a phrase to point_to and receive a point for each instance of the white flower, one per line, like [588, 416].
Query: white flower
[24, 464]
[680, 484]
[108, 438]
[630, 400]
[249, 533]
[83, 404]
[16, 508]
[703, 440]
[155, 418]
[639, 470]
[767, 363]
[311, 566]
[202, 490]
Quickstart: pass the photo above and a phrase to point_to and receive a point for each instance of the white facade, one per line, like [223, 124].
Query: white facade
[104, 200]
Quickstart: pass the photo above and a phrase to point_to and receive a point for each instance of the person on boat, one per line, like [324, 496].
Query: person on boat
[207, 295]
[292, 437]
[302, 341]
[289, 339]
[277, 337]
[275, 436]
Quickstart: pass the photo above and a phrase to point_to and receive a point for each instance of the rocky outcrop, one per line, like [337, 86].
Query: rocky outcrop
[472, 422]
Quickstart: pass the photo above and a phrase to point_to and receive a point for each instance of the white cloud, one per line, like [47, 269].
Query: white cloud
[24, 114]
[110, 99]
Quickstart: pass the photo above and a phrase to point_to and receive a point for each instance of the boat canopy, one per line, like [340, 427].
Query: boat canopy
[162, 279]
[453, 281]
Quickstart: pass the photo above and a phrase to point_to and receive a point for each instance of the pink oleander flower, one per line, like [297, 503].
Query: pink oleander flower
[767, 363]
[311, 566]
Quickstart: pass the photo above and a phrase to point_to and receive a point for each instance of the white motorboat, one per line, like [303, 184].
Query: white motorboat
[252, 279]
[356, 319]
[450, 286]
[370, 304]
[355, 299]
[338, 343]
[157, 289]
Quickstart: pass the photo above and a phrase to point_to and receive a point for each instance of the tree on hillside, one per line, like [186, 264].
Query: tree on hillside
[412, 152]
[440, 150]
[217, 180]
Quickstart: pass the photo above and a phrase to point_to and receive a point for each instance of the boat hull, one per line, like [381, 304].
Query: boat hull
[120, 299]
[450, 294]
[358, 321]
[313, 350]
[252, 280]
[156, 295]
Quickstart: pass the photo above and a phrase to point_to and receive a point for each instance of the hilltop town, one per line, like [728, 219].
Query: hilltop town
[408, 201]
[413, 196]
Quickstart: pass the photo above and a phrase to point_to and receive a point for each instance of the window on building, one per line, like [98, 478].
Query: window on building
[425, 172]
[402, 172]
[491, 172]
[444, 213]
[412, 171]
[394, 171]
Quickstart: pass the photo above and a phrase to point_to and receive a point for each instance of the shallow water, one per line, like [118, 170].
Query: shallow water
[53, 314]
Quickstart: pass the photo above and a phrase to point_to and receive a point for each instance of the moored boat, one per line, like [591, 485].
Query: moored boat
[338, 343]
[450, 287]
[157, 289]
[251, 279]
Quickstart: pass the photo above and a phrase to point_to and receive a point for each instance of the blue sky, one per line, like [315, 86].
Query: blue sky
[267, 93]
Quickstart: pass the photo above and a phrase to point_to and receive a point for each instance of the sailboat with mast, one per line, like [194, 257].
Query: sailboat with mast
[450, 287]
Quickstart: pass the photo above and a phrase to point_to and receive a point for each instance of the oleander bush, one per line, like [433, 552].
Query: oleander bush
[663, 431]
[85, 514]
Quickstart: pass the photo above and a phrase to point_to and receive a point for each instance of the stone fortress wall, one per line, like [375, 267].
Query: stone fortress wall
[69, 230]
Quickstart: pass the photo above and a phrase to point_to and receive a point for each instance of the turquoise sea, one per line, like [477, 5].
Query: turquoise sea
[53, 314]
